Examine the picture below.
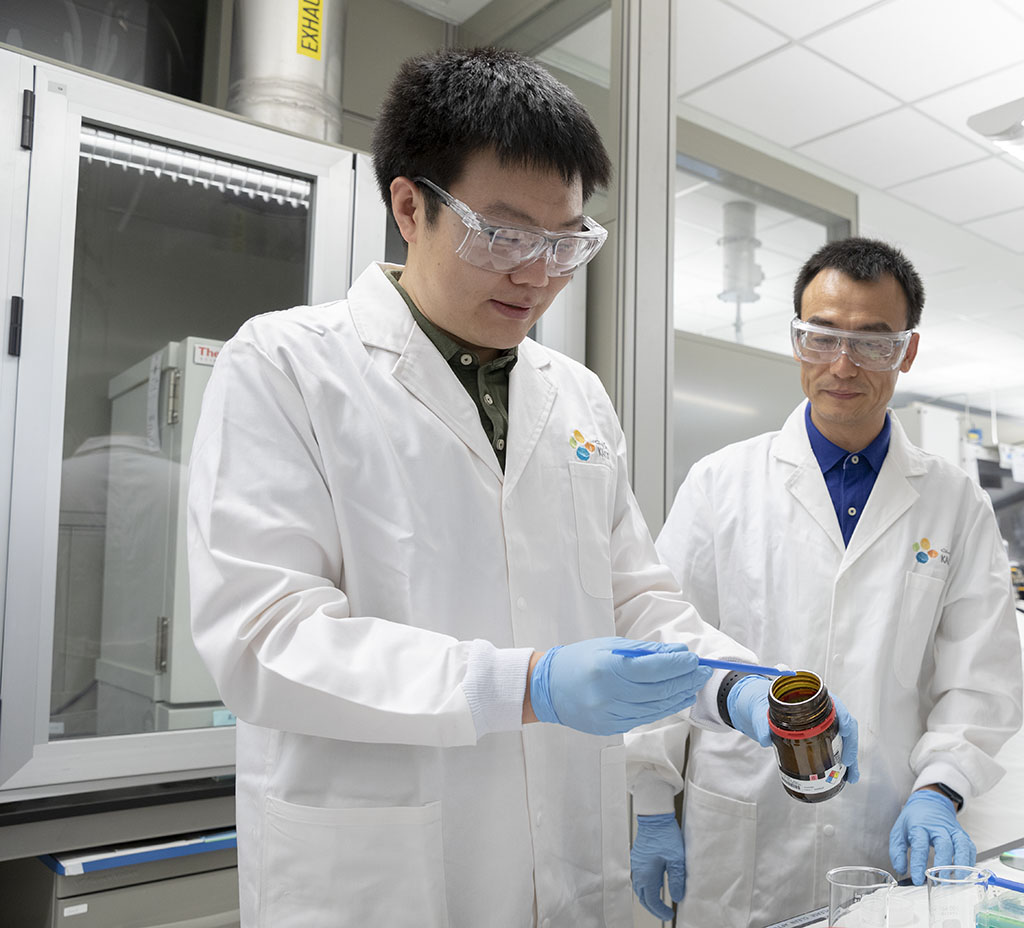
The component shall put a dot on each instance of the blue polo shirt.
(849, 475)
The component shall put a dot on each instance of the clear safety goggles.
(873, 351)
(504, 248)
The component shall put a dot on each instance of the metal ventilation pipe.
(286, 65)
(741, 273)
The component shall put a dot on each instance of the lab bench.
(818, 918)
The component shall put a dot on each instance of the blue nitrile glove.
(748, 708)
(747, 703)
(657, 848)
(929, 819)
(587, 687)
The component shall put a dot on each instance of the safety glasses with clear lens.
(873, 351)
(504, 248)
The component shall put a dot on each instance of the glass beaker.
(858, 897)
(955, 895)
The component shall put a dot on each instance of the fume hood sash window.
(192, 167)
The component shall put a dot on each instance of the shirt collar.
(829, 454)
(444, 343)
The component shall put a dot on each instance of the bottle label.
(816, 783)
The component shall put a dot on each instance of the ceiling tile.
(791, 96)
(893, 148)
(1006, 229)
(693, 240)
(699, 60)
(1006, 320)
(793, 235)
(978, 302)
(952, 107)
(798, 18)
(914, 48)
(971, 191)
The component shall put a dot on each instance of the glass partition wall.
(738, 247)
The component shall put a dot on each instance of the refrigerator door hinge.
(173, 396)
(28, 118)
(162, 629)
(14, 332)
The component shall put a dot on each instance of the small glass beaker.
(858, 897)
(955, 895)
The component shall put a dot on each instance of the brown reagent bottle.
(805, 733)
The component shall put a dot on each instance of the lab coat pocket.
(615, 837)
(721, 873)
(591, 502)
(361, 866)
(920, 605)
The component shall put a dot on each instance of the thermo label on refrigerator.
(204, 354)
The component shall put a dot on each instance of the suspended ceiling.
(873, 96)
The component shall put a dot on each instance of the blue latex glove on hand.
(657, 848)
(747, 703)
(586, 687)
(748, 708)
(929, 819)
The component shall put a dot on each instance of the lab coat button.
(538, 819)
(521, 603)
(546, 923)
(837, 660)
(829, 830)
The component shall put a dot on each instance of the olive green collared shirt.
(487, 384)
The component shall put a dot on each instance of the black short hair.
(446, 105)
(865, 259)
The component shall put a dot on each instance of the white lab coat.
(926, 656)
(356, 558)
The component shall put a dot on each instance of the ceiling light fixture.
(1003, 126)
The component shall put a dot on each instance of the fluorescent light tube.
(1003, 126)
(192, 167)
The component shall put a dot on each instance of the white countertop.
(908, 904)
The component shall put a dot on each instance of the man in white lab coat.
(412, 536)
(838, 546)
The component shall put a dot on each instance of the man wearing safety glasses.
(412, 537)
(838, 545)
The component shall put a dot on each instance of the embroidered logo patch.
(586, 449)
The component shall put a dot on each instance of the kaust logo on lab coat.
(923, 552)
(584, 448)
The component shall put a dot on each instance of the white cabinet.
(139, 232)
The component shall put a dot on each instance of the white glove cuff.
(495, 685)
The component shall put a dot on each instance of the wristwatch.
(950, 793)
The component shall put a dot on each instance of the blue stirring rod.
(1005, 884)
(711, 662)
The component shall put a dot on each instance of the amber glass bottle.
(805, 733)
